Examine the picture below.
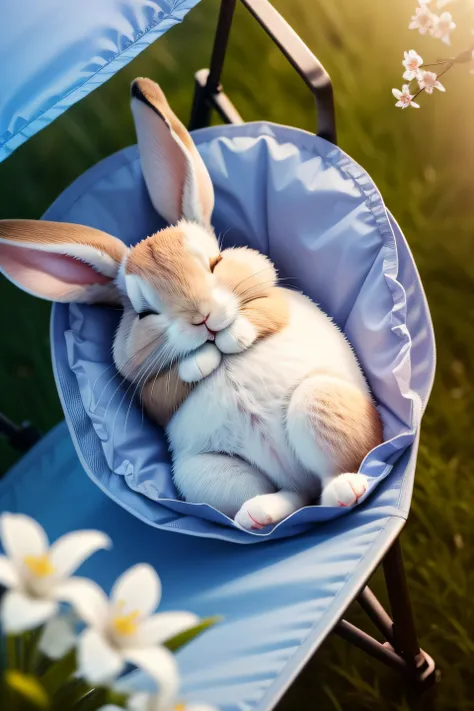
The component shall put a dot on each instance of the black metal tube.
(376, 612)
(21, 437)
(404, 630)
(302, 59)
(204, 93)
(368, 644)
(224, 24)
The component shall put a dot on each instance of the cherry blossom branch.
(438, 26)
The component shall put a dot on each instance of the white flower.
(423, 20)
(412, 64)
(123, 629)
(443, 25)
(152, 702)
(429, 81)
(36, 574)
(58, 637)
(404, 97)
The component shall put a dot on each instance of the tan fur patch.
(163, 394)
(252, 277)
(346, 423)
(43, 232)
(249, 274)
(269, 314)
(179, 278)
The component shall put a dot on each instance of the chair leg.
(401, 650)
(405, 640)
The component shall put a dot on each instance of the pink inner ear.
(49, 275)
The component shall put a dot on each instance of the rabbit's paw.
(255, 514)
(200, 364)
(344, 490)
(237, 337)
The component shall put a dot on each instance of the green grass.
(422, 162)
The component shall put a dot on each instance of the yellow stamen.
(39, 565)
(180, 707)
(126, 625)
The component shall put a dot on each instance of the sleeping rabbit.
(264, 402)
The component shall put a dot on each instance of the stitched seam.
(89, 78)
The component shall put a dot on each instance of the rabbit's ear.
(60, 261)
(177, 179)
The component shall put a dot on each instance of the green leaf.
(60, 672)
(183, 638)
(29, 687)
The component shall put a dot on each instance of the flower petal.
(158, 628)
(397, 93)
(199, 707)
(22, 536)
(8, 574)
(69, 551)
(161, 665)
(57, 638)
(97, 661)
(139, 588)
(111, 707)
(19, 613)
(87, 598)
(142, 702)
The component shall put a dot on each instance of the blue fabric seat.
(322, 220)
(279, 600)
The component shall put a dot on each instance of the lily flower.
(37, 575)
(123, 630)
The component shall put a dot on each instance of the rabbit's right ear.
(60, 261)
(177, 179)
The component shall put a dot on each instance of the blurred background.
(422, 161)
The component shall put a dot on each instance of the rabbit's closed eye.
(144, 314)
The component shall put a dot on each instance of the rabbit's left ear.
(177, 179)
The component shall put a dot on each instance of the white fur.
(199, 242)
(267, 509)
(237, 337)
(141, 294)
(241, 411)
(344, 490)
(199, 364)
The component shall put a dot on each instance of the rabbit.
(264, 402)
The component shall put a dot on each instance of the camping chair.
(280, 592)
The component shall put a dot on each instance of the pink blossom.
(429, 81)
(443, 25)
(423, 20)
(405, 99)
(412, 64)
